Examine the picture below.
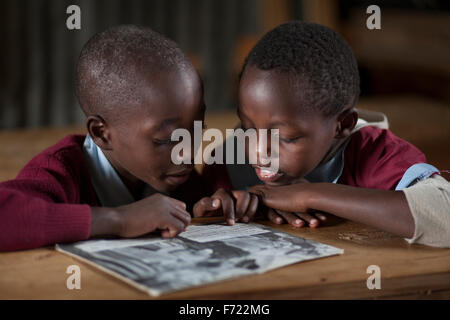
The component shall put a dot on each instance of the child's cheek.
(294, 160)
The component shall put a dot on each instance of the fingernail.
(216, 203)
(298, 221)
(245, 219)
(230, 222)
(278, 220)
(314, 221)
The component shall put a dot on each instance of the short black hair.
(115, 62)
(313, 53)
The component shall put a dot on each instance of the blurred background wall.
(410, 54)
(404, 67)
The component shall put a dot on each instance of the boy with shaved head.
(135, 87)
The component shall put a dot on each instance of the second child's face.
(142, 142)
(268, 100)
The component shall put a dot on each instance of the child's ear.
(99, 131)
(346, 123)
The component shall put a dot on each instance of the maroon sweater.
(50, 200)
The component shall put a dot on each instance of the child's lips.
(179, 177)
(266, 175)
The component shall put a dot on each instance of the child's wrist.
(105, 221)
(312, 195)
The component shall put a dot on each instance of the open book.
(202, 254)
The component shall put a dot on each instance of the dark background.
(410, 55)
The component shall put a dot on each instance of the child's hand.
(296, 219)
(235, 206)
(157, 212)
(288, 204)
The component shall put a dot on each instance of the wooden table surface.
(407, 271)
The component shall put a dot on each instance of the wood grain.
(407, 271)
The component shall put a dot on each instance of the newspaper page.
(202, 254)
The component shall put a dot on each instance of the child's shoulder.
(72, 143)
(373, 141)
(66, 153)
(377, 158)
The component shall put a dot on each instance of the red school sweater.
(51, 198)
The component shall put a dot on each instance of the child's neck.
(133, 184)
(136, 188)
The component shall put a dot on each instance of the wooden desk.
(407, 271)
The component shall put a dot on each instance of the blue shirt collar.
(331, 170)
(110, 189)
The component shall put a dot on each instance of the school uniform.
(51, 198)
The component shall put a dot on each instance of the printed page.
(201, 255)
(216, 232)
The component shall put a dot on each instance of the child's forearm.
(386, 210)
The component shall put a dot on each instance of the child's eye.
(163, 142)
(289, 140)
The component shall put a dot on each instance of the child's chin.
(163, 187)
(282, 181)
(175, 181)
(275, 183)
